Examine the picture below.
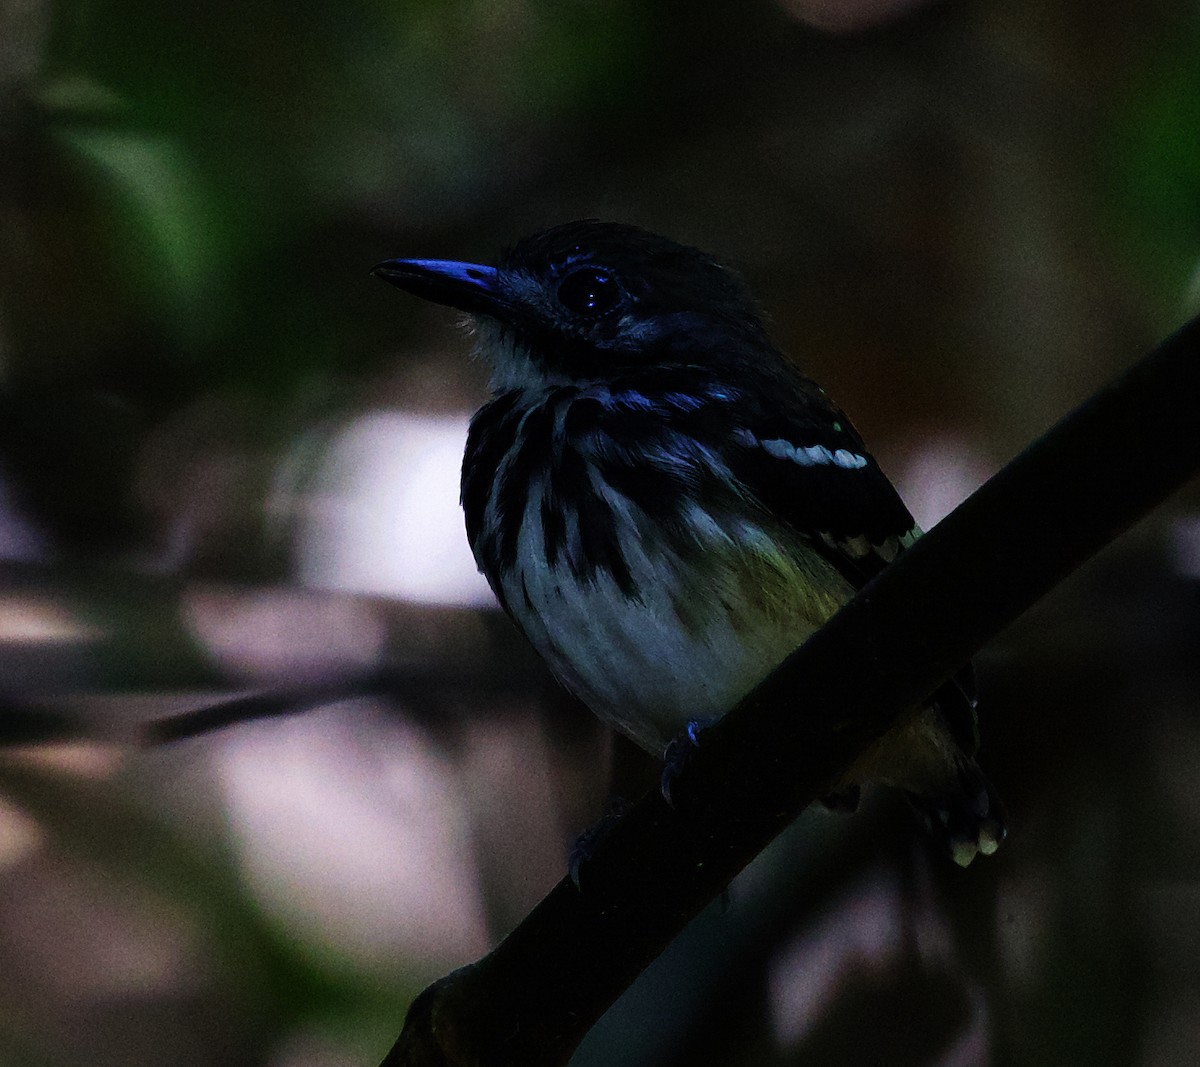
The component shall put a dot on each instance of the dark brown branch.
(531, 1000)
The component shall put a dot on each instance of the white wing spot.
(780, 449)
(807, 456)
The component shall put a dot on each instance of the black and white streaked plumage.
(667, 507)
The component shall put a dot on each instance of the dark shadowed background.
(228, 470)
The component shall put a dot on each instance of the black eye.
(589, 292)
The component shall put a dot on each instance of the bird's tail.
(966, 815)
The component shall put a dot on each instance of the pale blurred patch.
(22, 45)
(862, 930)
(1185, 546)
(89, 938)
(510, 790)
(849, 16)
(309, 1049)
(265, 633)
(383, 515)
(38, 620)
(20, 835)
(19, 540)
(348, 828)
(94, 760)
(939, 474)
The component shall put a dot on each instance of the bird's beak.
(467, 286)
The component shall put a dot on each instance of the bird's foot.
(679, 754)
(969, 821)
(586, 842)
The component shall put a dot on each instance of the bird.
(667, 506)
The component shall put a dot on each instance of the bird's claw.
(586, 842)
(679, 754)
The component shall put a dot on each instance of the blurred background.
(228, 492)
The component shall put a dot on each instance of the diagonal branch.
(532, 999)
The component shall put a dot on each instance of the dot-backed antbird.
(667, 507)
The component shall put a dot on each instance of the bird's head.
(589, 301)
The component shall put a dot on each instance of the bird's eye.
(589, 292)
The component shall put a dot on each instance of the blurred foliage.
(1159, 168)
(961, 219)
(219, 143)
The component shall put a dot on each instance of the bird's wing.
(804, 462)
